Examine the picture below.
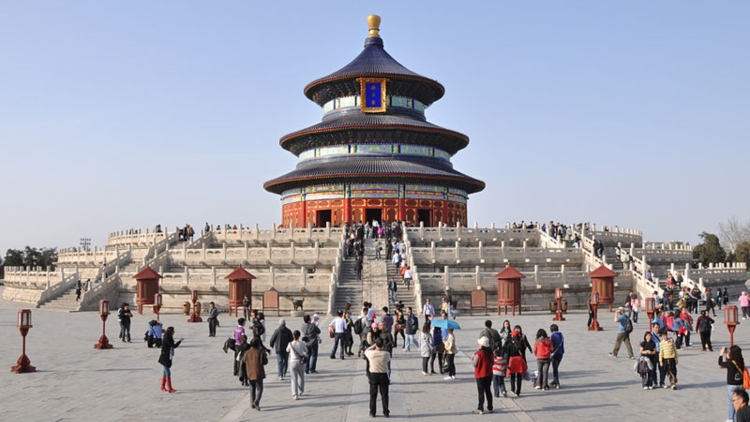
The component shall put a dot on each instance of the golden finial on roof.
(373, 21)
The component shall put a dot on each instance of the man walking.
(338, 325)
(279, 341)
(378, 359)
(623, 335)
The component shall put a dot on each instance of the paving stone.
(75, 382)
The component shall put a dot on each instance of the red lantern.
(558, 297)
(103, 313)
(730, 320)
(649, 305)
(157, 304)
(24, 323)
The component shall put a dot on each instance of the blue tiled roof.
(373, 61)
(446, 139)
(374, 167)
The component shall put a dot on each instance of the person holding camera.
(165, 359)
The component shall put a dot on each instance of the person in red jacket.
(482, 362)
(543, 353)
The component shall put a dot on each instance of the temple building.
(374, 155)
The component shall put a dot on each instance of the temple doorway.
(373, 214)
(323, 217)
(424, 217)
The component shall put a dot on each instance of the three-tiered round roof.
(374, 155)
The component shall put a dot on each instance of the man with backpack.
(491, 334)
(623, 333)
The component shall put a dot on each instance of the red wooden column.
(509, 289)
(147, 288)
(603, 282)
(348, 204)
(240, 285)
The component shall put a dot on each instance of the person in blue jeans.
(311, 332)
(558, 350)
(338, 325)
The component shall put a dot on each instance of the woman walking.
(450, 354)
(297, 351)
(438, 351)
(482, 362)
(505, 333)
(648, 352)
(398, 328)
(734, 363)
(255, 358)
(517, 366)
(165, 359)
(426, 346)
(543, 354)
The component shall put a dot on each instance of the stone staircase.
(65, 302)
(405, 296)
(349, 288)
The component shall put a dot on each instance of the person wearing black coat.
(165, 358)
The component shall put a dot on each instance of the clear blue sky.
(127, 114)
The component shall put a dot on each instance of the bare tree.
(734, 232)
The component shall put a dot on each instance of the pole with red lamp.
(594, 305)
(24, 323)
(103, 313)
(730, 320)
(650, 307)
(558, 297)
(194, 317)
(157, 305)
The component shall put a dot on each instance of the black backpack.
(705, 325)
(628, 325)
(358, 326)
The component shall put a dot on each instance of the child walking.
(499, 366)
(668, 359)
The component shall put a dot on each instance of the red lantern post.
(103, 313)
(24, 323)
(194, 317)
(558, 297)
(595, 304)
(650, 307)
(730, 320)
(157, 304)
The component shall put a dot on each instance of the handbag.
(745, 376)
(331, 332)
(302, 359)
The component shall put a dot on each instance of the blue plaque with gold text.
(372, 91)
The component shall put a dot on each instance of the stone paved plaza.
(75, 382)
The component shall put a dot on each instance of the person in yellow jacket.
(668, 359)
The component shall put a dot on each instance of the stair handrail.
(90, 299)
(336, 272)
(549, 240)
(55, 290)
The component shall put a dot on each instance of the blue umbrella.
(445, 323)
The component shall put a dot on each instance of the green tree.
(710, 250)
(742, 252)
(31, 257)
